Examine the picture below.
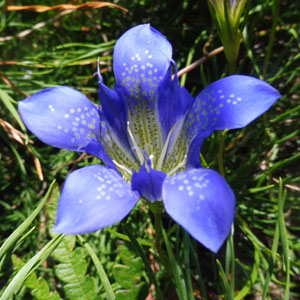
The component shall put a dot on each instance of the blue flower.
(148, 132)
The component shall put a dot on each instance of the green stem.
(158, 231)
(276, 4)
(221, 153)
(143, 256)
(230, 262)
(232, 52)
(158, 240)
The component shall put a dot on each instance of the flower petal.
(202, 202)
(96, 149)
(229, 103)
(93, 198)
(173, 103)
(141, 59)
(61, 117)
(148, 183)
(193, 156)
(114, 115)
(114, 112)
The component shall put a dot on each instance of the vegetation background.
(60, 47)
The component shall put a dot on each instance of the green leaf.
(23, 227)
(138, 293)
(62, 251)
(224, 281)
(284, 238)
(129, 258)
(74, 268)
(54, 296)
(83, 289)
(126, 238)
(29, 267)
(41, 291)
(252, 280)
(39, 286)
(104, 279)
(129, 275)
(7, 101)
(125, 276)
(144, 258)
(176, 270)
(72, 271)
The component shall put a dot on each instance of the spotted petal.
(61, 117)
(93, 198)
(202, 202)
(229, 103)
(142, 57)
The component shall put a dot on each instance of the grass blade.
(7, 101)
(30, 266)
(21, 229)
(104, 279)
(271, 261)
(177, 272)
(284, 239)
(226, 286)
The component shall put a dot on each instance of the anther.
(129, 172)
(100, 78)
(165, 148)
(135, 146)
(151, 158)
(180, 165)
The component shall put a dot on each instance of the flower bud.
(227, 15)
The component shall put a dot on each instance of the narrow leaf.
(29, 267)
(23, 227)
(104, 279)
(7, 101)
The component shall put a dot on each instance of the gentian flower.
(148, 132)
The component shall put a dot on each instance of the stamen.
(135, 146)
(180, 165)
(164, 149)
(129, 172)
(151, 158)
(100, 78)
